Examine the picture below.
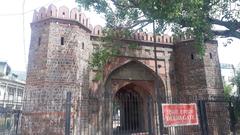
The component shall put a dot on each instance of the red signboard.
(179, 114)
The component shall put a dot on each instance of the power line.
(24, 46)
(23, 26)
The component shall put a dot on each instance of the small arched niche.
(74, 15)
(63, 12)
(42, 13)
(52, 11)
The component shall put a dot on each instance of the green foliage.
(133, 46)
(100, 57)
(196, 17)
(227, 91)
(236, 105)
(236, 81)
(235, 99)
(109, 49)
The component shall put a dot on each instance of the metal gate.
(135, 116)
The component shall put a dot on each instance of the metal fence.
(126, 114)
(9, 121)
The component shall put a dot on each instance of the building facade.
(11, 100)
(11, 94)
(11, 89)
(62, 42)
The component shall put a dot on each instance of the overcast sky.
(13, 33)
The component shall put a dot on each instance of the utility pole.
(157, 86)
(68, 113)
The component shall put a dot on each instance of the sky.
(15, 32)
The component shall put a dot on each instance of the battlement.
(73, 14)
(62, 13)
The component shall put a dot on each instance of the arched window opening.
(75, 16)
(62, 40)
(82, 45)
(39, 41)
(192, 56)
(210, 55)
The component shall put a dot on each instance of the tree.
(236, 99)
(197, 17)
(236, 81)
(227, 90)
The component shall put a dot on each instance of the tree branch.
(226, 33)
(231, 25)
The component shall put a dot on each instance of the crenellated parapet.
(62, 12)
(65, 13)
(148, 37)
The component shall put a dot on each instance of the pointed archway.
(126, 91)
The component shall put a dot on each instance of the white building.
(11, 89)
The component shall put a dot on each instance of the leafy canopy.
(227, 90)
(194, 16)
(236, 81)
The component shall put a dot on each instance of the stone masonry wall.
(61, 46)
(198, 77)
(58, 69)
(190, 71)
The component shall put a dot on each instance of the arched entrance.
(129, 111)
(130, 105)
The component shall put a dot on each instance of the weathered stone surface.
(54, 69)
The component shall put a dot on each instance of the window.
(82, 45)
(98, 32)
(51, 13)
(11, 91)
(192, 56)
(210, 55)
(75, 16)
(39, 41)
(20, 92)
(63, 13)
(62, 40)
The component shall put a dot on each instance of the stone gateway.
(62, 42)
